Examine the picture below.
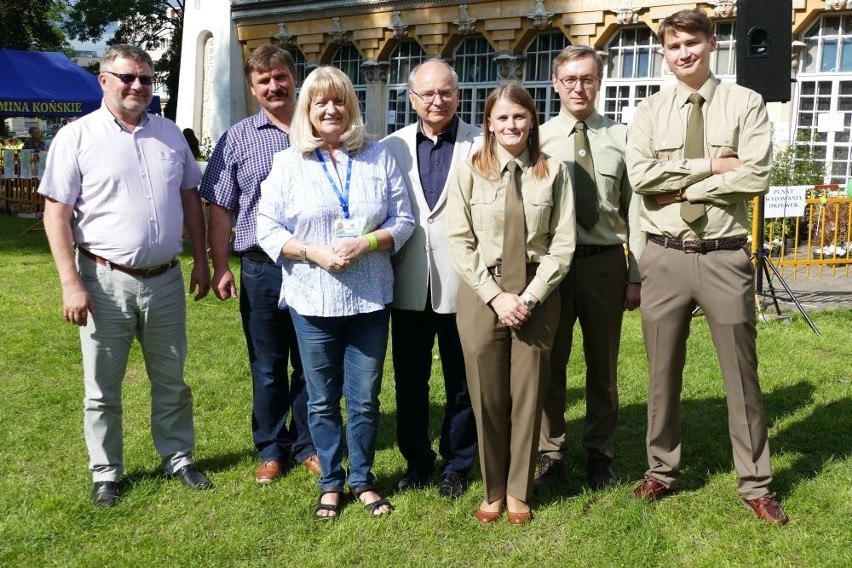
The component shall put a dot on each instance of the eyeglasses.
(429, 96)
(571, 82)
(129, 79)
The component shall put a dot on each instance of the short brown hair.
(125, 51)
(692, 21)
(574, 52)
(268, 57)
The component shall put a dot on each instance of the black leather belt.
(700, 246)
(140, 272)
(497, 270)
(582, 251)
(257, 255)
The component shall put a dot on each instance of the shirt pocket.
(538, 207)
(669, 146)
(610, 172)
(723, 143)
(484, 208)
(171, 166)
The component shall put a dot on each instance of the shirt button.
(430, 220)
(426, 247)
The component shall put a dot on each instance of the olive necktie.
(514, 268)
(585, 189)
(693, 147)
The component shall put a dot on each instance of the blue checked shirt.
(240, 162)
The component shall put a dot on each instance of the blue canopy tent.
(34, 83)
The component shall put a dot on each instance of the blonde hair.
(326, 81)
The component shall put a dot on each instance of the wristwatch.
(303, 250)
(529, 301)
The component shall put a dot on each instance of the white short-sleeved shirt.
(124, 186)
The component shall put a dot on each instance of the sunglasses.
(129, 79)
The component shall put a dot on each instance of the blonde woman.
(332, 211)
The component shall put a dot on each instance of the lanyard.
(342, 197)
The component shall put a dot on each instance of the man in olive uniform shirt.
(600, 284)
(698, 152)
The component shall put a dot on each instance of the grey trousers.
(153, 310)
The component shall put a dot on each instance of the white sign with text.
(785, 201)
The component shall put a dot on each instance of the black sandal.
(375, 505)
(320, 506)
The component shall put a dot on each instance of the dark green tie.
(585, 189)
(693, 147)
(514, 267)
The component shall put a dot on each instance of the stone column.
(376, 76)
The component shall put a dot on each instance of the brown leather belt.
(497, 270)
(700, 246)
(140, 272)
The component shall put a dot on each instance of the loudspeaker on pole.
(764, 37)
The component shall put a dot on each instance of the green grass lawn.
(47, 519)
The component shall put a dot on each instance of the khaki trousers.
(722, 283)
(507, 375)
(593, 293)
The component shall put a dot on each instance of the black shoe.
(600, 475)
(414, 479)
(452, 485)
(549, 472)
(105, 493)
(192, 477)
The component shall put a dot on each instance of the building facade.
(377, 42)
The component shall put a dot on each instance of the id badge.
(346, 228)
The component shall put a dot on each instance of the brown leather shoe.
(313, 464)
(519, 518)
(487, 516)
(650, 489)
(767, 509)
(268, 472)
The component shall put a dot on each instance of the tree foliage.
(151, 24)
(32, 25)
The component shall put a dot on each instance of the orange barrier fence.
(819, 242)
(21, 196)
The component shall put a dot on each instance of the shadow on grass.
(13, 237)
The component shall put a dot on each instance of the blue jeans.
(344, 356)
(271, 339)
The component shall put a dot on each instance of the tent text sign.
(41, 107)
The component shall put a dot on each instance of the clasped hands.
(339, 257)
(511, 310)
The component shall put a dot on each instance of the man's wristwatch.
(303, 251)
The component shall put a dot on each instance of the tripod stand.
(764, 265)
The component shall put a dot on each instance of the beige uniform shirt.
(619, 211)
(475, 213)
(735, 124)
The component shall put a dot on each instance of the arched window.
(348, 60)
(477, 71)
(405, 57)
(825, 89)
(300, 63)
(539, 69)
(633, 71)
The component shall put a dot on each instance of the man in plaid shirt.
(240, 162)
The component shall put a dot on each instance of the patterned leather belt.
(582, 251)
(140, 272)
(257, 255)
(497, 270)
(700, 246)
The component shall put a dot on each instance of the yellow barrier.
(814, 244)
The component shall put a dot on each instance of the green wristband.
(374, 242)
